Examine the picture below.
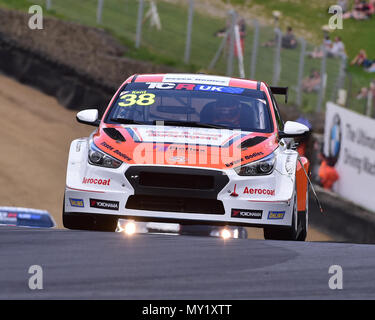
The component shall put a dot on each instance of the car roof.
(199, 79)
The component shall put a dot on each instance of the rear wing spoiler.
(280, 91)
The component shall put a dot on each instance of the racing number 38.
(131, 99)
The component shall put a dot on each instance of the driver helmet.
(227, 109)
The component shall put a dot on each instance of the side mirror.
(89, 116)
(293, 129)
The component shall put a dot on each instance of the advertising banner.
(349, 139)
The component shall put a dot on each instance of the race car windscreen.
(192, 105)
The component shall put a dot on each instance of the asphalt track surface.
(98, 265)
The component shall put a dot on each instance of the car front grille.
(176, 180)
(171, 204)
(176, 189)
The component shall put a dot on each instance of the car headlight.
(261, 167)
(99, 158)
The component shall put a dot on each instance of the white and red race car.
(189, 149)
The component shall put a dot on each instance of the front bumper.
(223, 197)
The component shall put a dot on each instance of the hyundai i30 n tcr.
(189, 149)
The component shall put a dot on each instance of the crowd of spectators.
(362, 60)
(366, 91)
(334, 49)
(288, 40)
(368, 94)
(312, 82)
(361, 10)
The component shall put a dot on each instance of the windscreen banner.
(349, 139)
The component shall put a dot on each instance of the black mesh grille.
(176, 182)
(183, 181)
(170, 204)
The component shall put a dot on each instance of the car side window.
(279, 121)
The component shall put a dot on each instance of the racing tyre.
(89, 222)
(303, 218)
(285, 233)
(242, 233)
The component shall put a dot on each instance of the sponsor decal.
(122, 155)
(276, 215)
(161, 148)
(185, 148)
(131, 99)
(189, 87)
(247, 157)
(29, 216)
(172, 135)
(335, 139)
(194, 135)
(107, 146)
(269, 192)
(201, 79)
(177, 159)
(119, 153)
(8, 217)
(358, 140)
(76, 202)
(233, 90)
(160, 85)
(104, 204)
(350, 140)
(253, 155)
(249, 214)
(234, 193)
(185, 86)
(358, 147)
(137, 92)
(191, 137)
(104, 182)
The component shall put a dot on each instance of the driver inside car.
(227, 111)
